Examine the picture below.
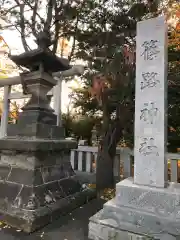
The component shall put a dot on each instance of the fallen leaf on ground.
(108, 194)
(93, 186)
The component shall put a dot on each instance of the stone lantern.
(37, 182)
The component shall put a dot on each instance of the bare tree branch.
(57, 11)
(57, 27)
(6, 11)
(22, 25)
(8, 26)
(32, 8)
(75, 33)
(48, 21)
(34, 18)
(74, 38)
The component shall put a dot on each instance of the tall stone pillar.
(146, 207)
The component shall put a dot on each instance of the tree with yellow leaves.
(174, 38)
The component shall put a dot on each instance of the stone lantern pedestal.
(37, 182)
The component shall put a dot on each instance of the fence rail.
(84, 161)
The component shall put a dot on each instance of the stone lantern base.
(37, 182)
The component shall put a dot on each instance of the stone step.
(121, 221)
(163, 202)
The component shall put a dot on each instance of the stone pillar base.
(139, 212)
(103, 232)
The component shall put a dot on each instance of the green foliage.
(67, 121)
(101, 44)
(80, 128)
(82, 100)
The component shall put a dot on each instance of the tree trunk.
(105, 159)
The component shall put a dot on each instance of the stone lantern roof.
(34, 58)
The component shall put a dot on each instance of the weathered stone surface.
(143, 210)
(163, 201)
(68, 169)
(33, 144)
(65, 205)
(73, 229)
(32, 198)
(4, 171)
(102, 232)
(150, 103)
(27, 199)
(38, 159)
(52, 173)
(35, 130)
(49, 193)
(49, 158)
(54, 189)
(35, 116)
(38, 186)
(8, 193)
(130, 221)
(16, 159)
(35, 213)
(70, 186)
(26, 177)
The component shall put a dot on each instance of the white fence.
(84, 160)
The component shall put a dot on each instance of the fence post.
(73, 158)
(95, 159)
(5, 112)
(174, 171)
(88, 162)
(80, 160)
